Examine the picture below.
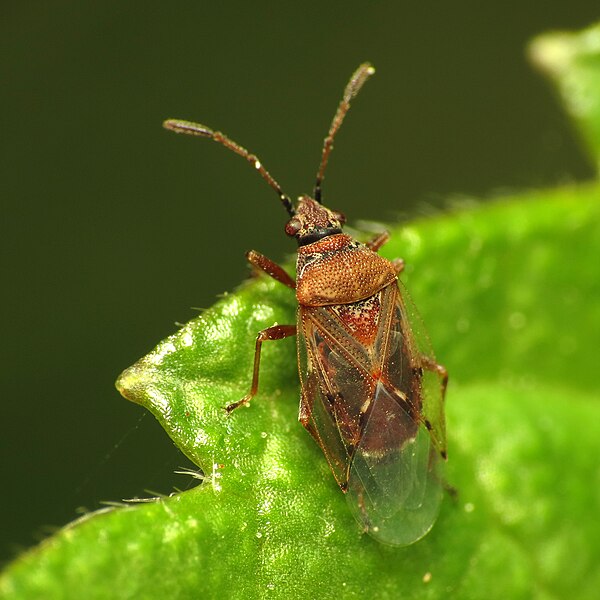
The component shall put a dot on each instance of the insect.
(372, 393)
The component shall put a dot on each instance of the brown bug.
(372, 392)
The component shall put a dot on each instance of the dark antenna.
(356, 82)
(197, 129)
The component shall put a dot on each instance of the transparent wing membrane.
(432, 399)
(395, 493)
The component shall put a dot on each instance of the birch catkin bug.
(372, 392)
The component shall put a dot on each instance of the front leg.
(277, 332)
(271, 268)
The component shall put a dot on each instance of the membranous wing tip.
(395, 493)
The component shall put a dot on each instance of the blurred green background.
(113, 228)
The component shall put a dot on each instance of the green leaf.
(572, 61)
(509, 292)
(506, 291)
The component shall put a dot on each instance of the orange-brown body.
(372, 394)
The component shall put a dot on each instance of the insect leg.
(271, 268)
(277, 332)
(440, 370)
(398, 265)
(379, 240)
(434, 367)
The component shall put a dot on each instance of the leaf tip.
(551, 53)
(130, 385)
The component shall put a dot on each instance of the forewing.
(317, 412)
(394, 489)
(363, 403)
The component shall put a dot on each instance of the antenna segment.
(197, 129)
(356, 82)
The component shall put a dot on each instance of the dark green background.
(113, 228)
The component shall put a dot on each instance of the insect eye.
(293, 226)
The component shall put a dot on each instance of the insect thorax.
(340, 270)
